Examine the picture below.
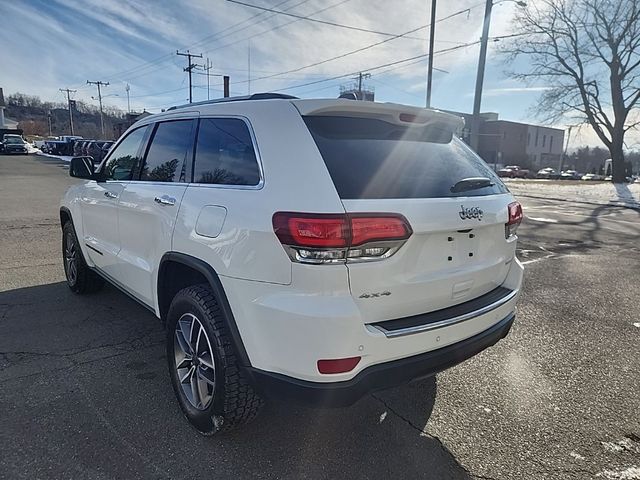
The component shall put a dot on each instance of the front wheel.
(205, 374)
(80, 278)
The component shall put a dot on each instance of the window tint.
(370, 158)
(225, 154)
(124, 159)
(165, 160)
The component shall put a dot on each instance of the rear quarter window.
(372, 159)
(225, 154)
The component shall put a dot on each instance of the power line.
(361, 49)
(424, 55)
(277, 27)
(144, 66)
(391, 64)
(309, 19)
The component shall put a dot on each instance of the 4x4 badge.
(471, 212)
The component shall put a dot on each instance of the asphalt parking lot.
(84, 389)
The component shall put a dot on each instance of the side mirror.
(82, 167)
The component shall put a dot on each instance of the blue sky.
(52, 44)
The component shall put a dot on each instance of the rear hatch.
(386, 158)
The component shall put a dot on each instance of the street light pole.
(432, 35)
(477, 99)
(127, 88)
(484, 40)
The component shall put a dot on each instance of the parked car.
(84, 147)
(548, 173)
(106, 146)
(570, 175)
(592, 177)
(14, 144)
(93, 150)
(394, 263)
(7, 136)
(513, 171)
(77, 148)
(56, 147)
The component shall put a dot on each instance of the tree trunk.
(617, 160)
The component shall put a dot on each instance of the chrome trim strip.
(449, 321)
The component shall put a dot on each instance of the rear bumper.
(377, 377)
(286, 330)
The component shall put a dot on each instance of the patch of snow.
(382, 417)
(576, 455)
(545, 220)
(64, 158)
(624, 445)
(605, 193)
(631, 473)
(636, 324)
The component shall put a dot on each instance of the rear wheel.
(80, 278)
(205, 374)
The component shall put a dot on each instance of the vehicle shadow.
(100, 358)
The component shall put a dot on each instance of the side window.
(124, 159)
(165, 159)
(225, 154)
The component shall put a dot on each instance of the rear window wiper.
(472, 183)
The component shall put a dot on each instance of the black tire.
(80, 278)
(230, 399)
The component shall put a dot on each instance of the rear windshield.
(369, 158)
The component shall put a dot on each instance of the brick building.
(503, 142)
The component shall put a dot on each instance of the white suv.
(309, 249)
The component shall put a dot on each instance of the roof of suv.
(390, 112)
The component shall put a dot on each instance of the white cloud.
(135, 41)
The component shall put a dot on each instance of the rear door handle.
(165, 200)
(109, 194)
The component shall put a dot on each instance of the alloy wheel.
(194, 363)
(71, 259)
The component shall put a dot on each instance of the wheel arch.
(179, 270)
(65, 216)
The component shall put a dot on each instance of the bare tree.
(588, 53)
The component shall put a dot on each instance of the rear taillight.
(340, 238)
(515, 217)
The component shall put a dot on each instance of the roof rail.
(255, 96)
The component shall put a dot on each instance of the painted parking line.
(545, 220)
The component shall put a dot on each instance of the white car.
(591, 177)
(309, 249)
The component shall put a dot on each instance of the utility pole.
(100, 84)
(127, 88)
(249, 68)
(432, 37)
(206, 68)
(189, 68)
(68, 92)
(477, 99)
(359, 78)
(49, 121)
